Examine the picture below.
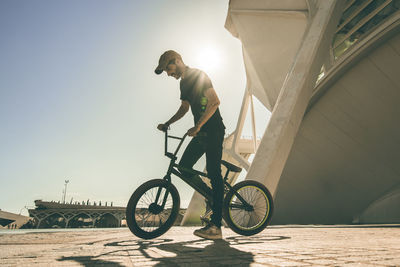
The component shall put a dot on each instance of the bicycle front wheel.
(152, 209)
(253, 215)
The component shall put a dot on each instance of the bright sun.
(209, 59)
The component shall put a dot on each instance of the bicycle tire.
(248, 222)
(140, 204)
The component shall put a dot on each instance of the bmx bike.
(154, 206)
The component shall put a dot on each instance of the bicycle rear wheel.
(146, 217)
(251, 219)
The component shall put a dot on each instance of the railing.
(359, 18)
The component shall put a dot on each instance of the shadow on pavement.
(90, 261)
(198, 252)
(166, 252)
(241, 240)
(214, 253)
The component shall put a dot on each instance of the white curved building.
(329, 71)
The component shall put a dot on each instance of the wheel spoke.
(145, 219)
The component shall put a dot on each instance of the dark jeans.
(211, 144)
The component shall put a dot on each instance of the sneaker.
(209, 232)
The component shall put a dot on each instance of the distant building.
(10, 220)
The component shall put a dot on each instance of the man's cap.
(165, 59)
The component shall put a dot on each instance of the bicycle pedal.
(205, 220)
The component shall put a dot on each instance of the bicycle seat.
(230, 166)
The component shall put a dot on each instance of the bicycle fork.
(158, 208)
(166, 178)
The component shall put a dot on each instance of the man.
(208, 132)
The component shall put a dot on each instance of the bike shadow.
(90, 261)
(203, 253)
(167, 252)
(200, 252)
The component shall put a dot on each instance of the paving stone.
(326, 262)
(300, 257)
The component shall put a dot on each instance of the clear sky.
(79, 99)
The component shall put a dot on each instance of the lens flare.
(209, 59)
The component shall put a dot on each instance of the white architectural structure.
(331, 151)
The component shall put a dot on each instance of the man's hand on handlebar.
(193, 131)
(163, 127)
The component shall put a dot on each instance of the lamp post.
(65, 190)
(20, 211)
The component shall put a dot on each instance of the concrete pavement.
(275, 246)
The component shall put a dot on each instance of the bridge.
(50, 214)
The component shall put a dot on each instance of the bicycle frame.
(202, 188)
(175, 168)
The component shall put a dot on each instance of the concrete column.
(294, 96)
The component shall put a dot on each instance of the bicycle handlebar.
(173, 137)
